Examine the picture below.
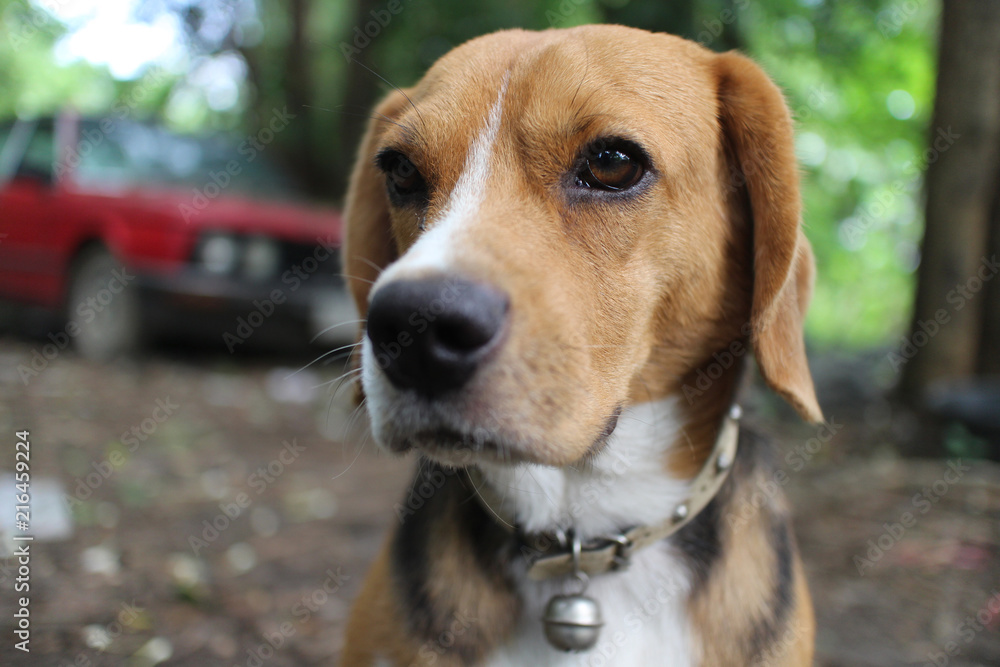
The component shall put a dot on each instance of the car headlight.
(260, 258)
(219, 253)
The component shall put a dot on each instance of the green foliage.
(424, 31)
(863, 170)
(839, 64)
(34, 82)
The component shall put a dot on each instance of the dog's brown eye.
(612, 169)
(403, 179)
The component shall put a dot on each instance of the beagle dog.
(564, 243)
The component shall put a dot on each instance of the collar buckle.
(624, 547)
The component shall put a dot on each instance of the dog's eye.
(402, 178)
(611, 169)
(611, 164)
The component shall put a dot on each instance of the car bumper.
(237, 312)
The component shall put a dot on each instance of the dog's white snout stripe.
(437, 248)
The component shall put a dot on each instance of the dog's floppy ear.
(368, 243)
(758, 129)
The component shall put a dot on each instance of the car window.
(39, 153)
(26, 150)
(118, 154)
(100, 160)
(8, 159)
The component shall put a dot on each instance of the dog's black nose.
(431, 334)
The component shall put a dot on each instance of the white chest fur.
(644, 607)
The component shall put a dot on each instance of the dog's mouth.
(457, 448)
(609, 428)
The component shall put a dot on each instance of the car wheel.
(105, 310)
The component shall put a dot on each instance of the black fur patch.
(440, 495)
(770, 628)
(411, 551)
(700, 540)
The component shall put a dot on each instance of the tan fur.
(610, 305)
(375, 626)
(748, 572)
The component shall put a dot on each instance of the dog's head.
(550, 226)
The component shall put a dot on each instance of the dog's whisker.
(348, 377)
(339, 357)
(357, 115)
(633, 418)
(322, 356)
(394, 86)
(334, 326)
(351, 465)
(338, 380)
(364, 280)
(378, 269)
(386, 81)
(359, 410)
(347, 427)
(490, 507)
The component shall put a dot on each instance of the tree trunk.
(954, 333)
(299, 88)
(712, 23)
(361, 91)
(989, 342)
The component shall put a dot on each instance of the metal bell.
(572, 622)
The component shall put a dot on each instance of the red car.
(132, 232)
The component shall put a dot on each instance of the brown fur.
(749, 570)
(610, 304)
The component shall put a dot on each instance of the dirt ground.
(223, 513)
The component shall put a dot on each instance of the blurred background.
(203, 491)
